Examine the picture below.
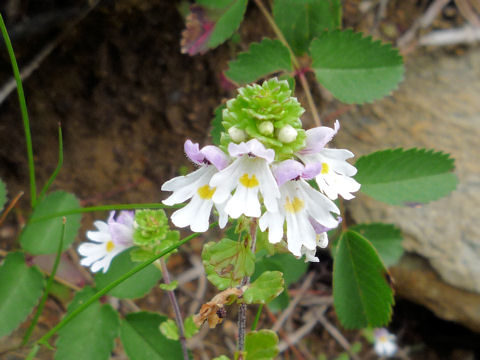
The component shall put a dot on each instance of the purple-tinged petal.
(111, 217)
(252, 147)
(311, 170)
(215, 156)
(319, 228)
(287, 170)
(126, 217)
(121, 234)
(193, 152)
(318, 137)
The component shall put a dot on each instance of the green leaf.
(136, 286)
(169, 287)
(3, 195)
(20, 288)
(281, 301)
(261, 345)
(169, 329)
(302, 20)
(226, 262)
(91, 335)
(228, 23)
(217, 126)
(406, 177)
(214, 4)
(355, 69)
(263, 290)
(222, 357)
(261, 59)
(42, 237)
(190, 327)
(362, 296)
(142, 339)
(385, 238)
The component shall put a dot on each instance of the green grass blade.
(59, 164)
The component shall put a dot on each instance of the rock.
(416, 280)
(436, 107)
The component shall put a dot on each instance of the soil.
(127, 99)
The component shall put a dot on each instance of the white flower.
(246, 176)
(300, 204)
(195, 186)
(321, 240)
(112, 237)
(384, 343)
(336, 174)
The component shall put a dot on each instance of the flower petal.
(192, 150)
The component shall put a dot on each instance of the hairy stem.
(23, 109)
(242, 311)
(178, 315)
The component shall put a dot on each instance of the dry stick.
(332, 330)
(297, 335)
(467, 12)
(296, 65)
(425, 20)
(293, 304)
(178, 315)
(10, 207)
(464, 35)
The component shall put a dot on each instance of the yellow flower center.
(110, 246)
(294, 206)
(206, 192)
(249, 182)
(325, 168)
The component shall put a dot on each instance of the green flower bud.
(267, 113)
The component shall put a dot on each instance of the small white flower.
(300, 204)
(385, 344)
(287, 134)
(112, 237)
(195, 186)
(248, 175)
(336, 174)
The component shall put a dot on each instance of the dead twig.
(464, 35)
(292, 339)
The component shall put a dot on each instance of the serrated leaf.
(385, 238)
(228, 23)
(169, 329)
(169, 287)
(355, 69)
(261, 59)
(263, 290)
(3, 195)
(43, 236)
(20, 288)
(261, 345)
(142, 339)
(190, 327)
(362, 296)
(217, 126)
(226, 262)
(135, 286)
(302, 20)
(406, 177)
(91, 334)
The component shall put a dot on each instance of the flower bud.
(236, 134)
(266, 128)
(287, 134)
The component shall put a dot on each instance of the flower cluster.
(262, 170)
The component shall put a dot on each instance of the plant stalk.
(178, 315)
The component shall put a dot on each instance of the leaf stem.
(176, 308)
(23, 109)
(105, 207)
(296, 64)
(44, 339)
(59, 164)
(257, 317)
(47, 288)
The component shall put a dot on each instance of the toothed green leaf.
(355, 69)
(228, 23)
(261, 345)
(263, 290)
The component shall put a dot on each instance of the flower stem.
(59, 165)
(44, 339)
(178, 315)
(296, 64)
(24, 111)
(242, 311)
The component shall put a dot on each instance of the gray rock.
(438, 107)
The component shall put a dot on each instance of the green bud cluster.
(267, 113)
(152, 234)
